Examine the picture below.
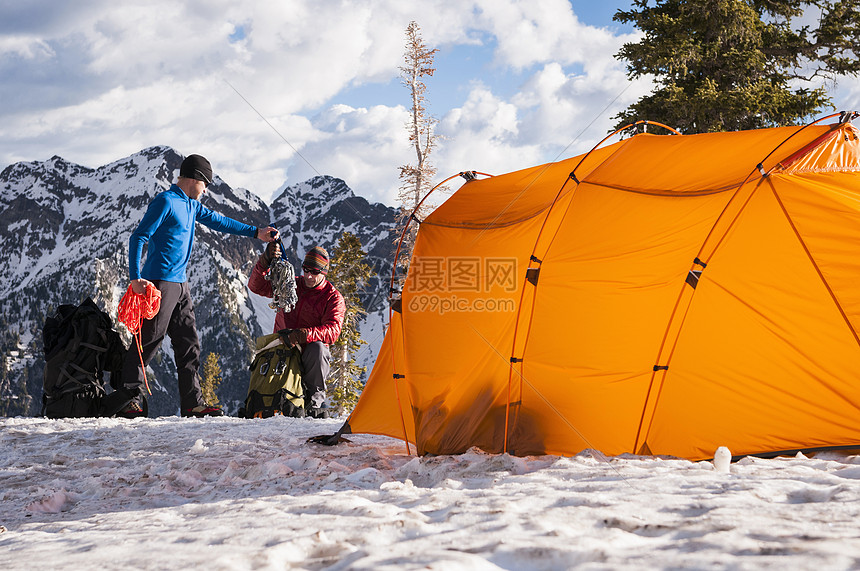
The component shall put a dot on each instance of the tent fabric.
(661, 295)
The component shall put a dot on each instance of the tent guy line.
(560, 153)
(284, 139)
(347, 202)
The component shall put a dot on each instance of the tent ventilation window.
(532, 274)
(694, 275)
(397, 305)
(846, 116)
(661, 368)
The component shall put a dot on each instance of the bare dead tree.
(416, 178)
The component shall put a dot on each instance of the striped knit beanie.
(316, 258)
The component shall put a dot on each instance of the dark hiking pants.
(316, 364)
(175, 319)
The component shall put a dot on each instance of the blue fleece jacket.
(168, 227)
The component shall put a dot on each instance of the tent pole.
(514, 359)
(469, 175)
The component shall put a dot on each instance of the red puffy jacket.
(319, 311)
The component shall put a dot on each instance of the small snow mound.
(198, 447)
(366, 476)
(852, 473)
(815, 494)
(55, 503)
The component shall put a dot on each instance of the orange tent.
(660, 295)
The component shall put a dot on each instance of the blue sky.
(518, 83)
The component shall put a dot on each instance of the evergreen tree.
(211, 378)
(348, 273)
(726, 65)
(14, 397)
(7, 394)
(416, 179)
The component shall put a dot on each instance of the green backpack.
(276, 380)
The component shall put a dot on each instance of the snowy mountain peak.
(65, 230)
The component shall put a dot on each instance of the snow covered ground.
(226, 493)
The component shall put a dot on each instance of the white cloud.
(562, 108)
(94, 81)
(157, 72)
(482, 135)
(533, 33)
(364, 147)
(846, 95)
(25, 47)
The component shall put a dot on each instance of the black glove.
(293, 337)
(273, 250)
(284, 334)
(298, 337)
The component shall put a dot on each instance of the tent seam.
(815, 265)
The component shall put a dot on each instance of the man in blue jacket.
(167, 228)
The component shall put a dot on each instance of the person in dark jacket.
(313, 324)
(167, 229)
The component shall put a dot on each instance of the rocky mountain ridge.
(64, 232)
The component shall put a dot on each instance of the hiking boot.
(318, 412)
(203, 410)
(132, 410)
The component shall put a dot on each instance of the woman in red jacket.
(313, 324)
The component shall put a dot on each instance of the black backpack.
(275, 387)
(80, 345)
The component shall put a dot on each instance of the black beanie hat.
(196, 167)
